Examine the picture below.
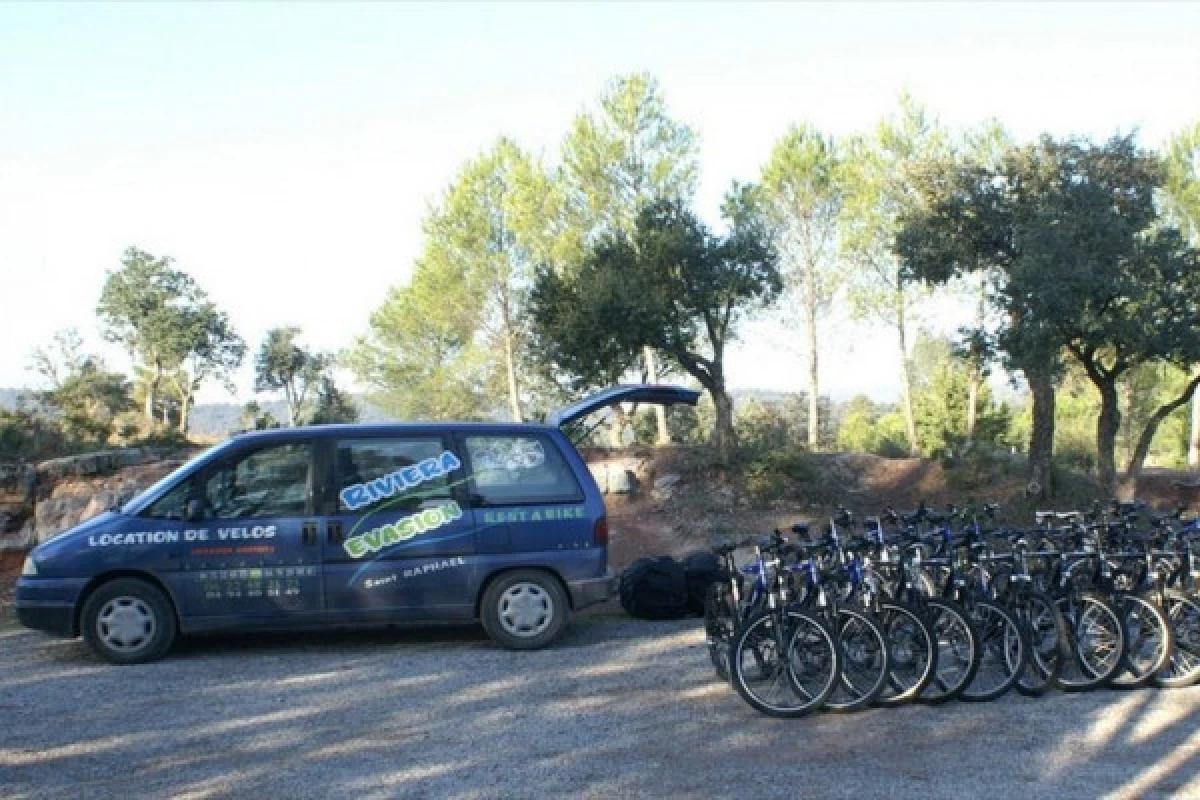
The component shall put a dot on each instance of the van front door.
(255, 550)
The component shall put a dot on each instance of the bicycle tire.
(1148, 641)
(757, 639)
(1045, 631)
(1002, 648)
(1183, 611)
(958, 651)
(1095, 645)
(863, 653)
(912, 653)
(720, 627)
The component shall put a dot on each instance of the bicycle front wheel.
(788, 680)
(1095, 646)
(1148, 641)
(958, 651)
(1002, 652)
(912, 653)
(1183, 611)
(863, 650)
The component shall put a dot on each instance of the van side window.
(271, 482)
(517, 470)
(172, 504)
(394, 473)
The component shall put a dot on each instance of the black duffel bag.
(702, 570)
(655, 588)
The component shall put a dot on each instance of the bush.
(774, 474)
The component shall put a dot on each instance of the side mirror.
(195, 510)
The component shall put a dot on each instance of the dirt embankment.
(666, 501)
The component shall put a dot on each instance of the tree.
(879, 192)
(332, 405)
(618, 159)
(802, 196)
(141, 307)
(674, 286)
(85, 394)
(204, 346)
(1083, 265)
(1182, 200)
(422, 358)
(284, 365)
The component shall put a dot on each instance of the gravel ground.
(619, 708)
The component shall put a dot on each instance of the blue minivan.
(346, 526)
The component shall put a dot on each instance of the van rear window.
(519, 470)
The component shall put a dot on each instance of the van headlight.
(30, 567)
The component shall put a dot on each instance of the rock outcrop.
(42, 500)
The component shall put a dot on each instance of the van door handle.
(334, 532)
(309, 532)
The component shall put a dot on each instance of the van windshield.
(144, 497)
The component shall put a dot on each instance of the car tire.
(128, 621)
(524, 609)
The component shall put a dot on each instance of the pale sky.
(284, 155)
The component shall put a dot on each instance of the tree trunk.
(616, 429)
(976, 378)
(1041, 437)
(724, 436)
(906, 399)
(514, 398)
(1107, 426)
(152, 393)
(660, 412)
(185, 407)
(1194, 434)
(1137, 460)
(290, 400)
(810, 319)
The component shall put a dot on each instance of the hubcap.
(126, 624)
(526, 610)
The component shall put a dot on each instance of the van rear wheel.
(524, 609)
(128, 621)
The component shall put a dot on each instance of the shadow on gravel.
(621, 708)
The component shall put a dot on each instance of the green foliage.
(169, 326)
(457, 335)
(332, 404)
(673, 286)
(868, 428)
(941, 394)
(773, 474)
(1182, 189)
(284, 365)
(1079, 261)
(84, 398)
(623, 156)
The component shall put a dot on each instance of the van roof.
(383, 429)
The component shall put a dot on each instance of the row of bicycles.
(931, 606)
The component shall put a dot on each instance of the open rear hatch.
(629, 393)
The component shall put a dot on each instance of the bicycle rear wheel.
(720, 627)
(863, 650)
(958, 651)
(1095, 646)
(1002, 652)
(912, 653)
(788, 681)
(1183, 611)
(1046, 631)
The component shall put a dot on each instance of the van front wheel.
(524, 609)
(128, 621)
